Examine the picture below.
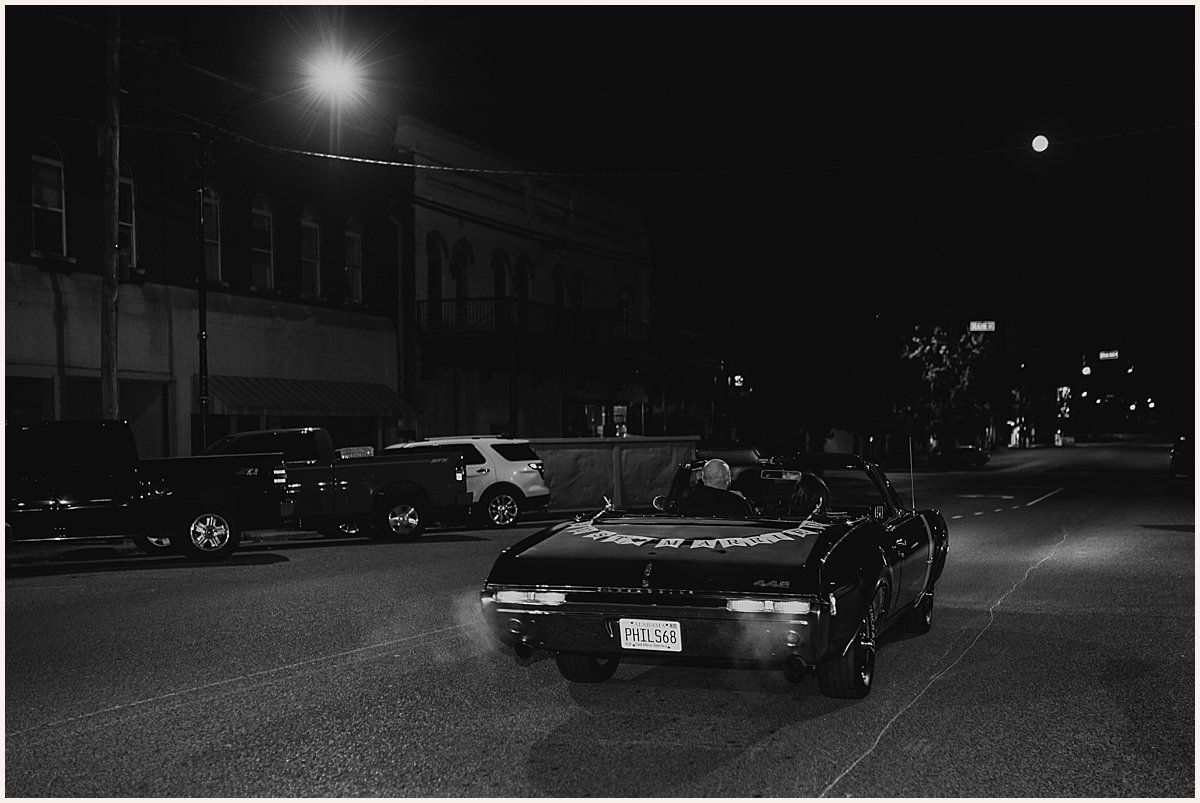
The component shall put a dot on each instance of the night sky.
(823, 165)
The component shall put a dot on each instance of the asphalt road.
(1061, 663)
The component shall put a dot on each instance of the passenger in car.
(810, 496)
(713, 497)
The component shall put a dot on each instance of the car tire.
(399, 519)
(849, 676)
(919, 618)
(586, 668)
(501, 507)
(154, 544)
(208, 532)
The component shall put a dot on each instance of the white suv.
(505, 476)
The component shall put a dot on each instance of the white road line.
(959, 516)
(940, 675)
(227, 681)
(1041, 498)
(977, 513)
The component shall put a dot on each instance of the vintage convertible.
(809, 592)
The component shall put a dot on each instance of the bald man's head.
(717, 475)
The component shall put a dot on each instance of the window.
(212, 235)
(310, 254)
(126, 233)
(262, 244)
(49, 201)
(354, 261)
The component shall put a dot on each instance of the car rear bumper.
(704, 635)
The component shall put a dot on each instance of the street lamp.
(337, 77)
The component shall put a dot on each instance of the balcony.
(556, 327)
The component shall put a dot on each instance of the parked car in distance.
(387, 495)
(505, 476)
(804, 591)
(73, 480)
(958, 457)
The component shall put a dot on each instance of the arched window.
(262, 244)
(462, 262)
(522, 276)
(310, 253)
(212, 235)
(559, 280)
(354, 249)
(435, 270)
(625, 303)
(578, 291)
(49, 200)
(126, 221)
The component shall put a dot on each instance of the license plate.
(650, 634)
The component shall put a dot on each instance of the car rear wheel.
(586, 668)
(501, 508)
(402, 519)
(209, 532)
(849, 676)
(920, 617)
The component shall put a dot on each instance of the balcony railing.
(471, 317)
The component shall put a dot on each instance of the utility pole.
(111, 148)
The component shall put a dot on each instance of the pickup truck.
(75, 480)
(392, 495)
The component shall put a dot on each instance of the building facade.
(297, 256)
(533, 314)
(265, 282)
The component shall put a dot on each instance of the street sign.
(1110, 355)
(983, 326)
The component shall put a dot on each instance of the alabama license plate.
(651, 634)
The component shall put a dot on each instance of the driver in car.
(713, 497)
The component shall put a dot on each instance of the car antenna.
(912, 483)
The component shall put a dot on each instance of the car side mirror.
(659, 502)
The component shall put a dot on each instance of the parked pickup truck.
(68, 480)
(390, 495)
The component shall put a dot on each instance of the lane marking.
(227, 681)
(984, 496)
(1043, 498)
(940, 675)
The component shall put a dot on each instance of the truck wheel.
(586, 668)
(208, 532)
(154, 544)
(849, 675)
(402, 519)
(501, 507)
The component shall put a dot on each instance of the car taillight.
(768, 606)
(538, 468)
(460, 473)
(279, 475)
(531, 597)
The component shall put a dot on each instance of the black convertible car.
(808, 592)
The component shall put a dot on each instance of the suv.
(504, 476)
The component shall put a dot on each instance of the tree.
(950, 383)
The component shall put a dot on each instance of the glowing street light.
(338, 78)
(1040, 143)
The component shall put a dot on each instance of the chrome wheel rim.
(403, 519)
(866, 640)
(158, 541)
(502, 510)
(209, 532)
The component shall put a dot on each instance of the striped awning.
(249, 395)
